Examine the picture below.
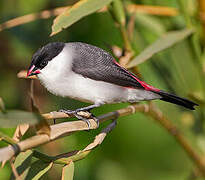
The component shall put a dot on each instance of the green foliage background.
(138, 148)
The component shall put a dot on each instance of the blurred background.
(138, 148)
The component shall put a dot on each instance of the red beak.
(32, 71)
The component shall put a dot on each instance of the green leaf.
(151, 23)
(28, 170)
(38, 169)
(76, 12)
(68, 171)
(15, 117)
(162, 43)
(22, 164)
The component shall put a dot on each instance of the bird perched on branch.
(90, 74)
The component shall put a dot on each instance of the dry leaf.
(20, 131)
(100, 137)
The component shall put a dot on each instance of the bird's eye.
(44, 63)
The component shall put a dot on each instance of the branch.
(58, 131)
(77, 155)
(153, 10)
(67, 128)
(157, 115)
(31, 17)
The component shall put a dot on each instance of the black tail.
(176, 100)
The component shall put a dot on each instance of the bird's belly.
(85, 89)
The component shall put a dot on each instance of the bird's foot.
(83, 115)
(88, 108)
(78, 113)
(82, 118)
(83, 109)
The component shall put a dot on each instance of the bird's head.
(43, 56)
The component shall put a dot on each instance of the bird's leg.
(87, 108)
(67, 111)
(81, 117)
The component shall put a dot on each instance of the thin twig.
(154, 10)
(31, 17)
(124, 60)
(131, 26)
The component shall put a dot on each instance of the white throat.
(54, 72)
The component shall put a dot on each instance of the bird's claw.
(82, 115)
(96, 120)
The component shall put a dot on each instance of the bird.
(90, 74)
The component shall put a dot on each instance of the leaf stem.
(7, 139)
(127, 44)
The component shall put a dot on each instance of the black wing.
(95, 63)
